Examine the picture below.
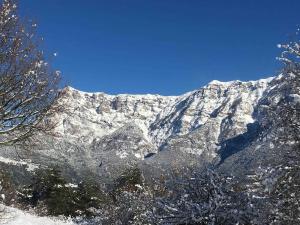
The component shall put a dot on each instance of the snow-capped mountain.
(143, 124)
(235, 128)
(103, 134)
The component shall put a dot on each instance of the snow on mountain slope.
(29, 166)
(102, 134)
(93, 115)
(215, 112)
(227, 106)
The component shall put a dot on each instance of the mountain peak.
(162, 118)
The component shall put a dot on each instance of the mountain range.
(103, 134)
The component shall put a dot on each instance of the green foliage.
(90, 196)
(50, 191)
(129, 180)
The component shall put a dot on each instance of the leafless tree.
(204, 198)
(29, 88)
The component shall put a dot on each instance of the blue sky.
(162, 46)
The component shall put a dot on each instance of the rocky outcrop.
(194, 122)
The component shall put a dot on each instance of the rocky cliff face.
(102, 134)
(139, 125)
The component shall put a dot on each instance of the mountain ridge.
(103, 134)
(219, 109)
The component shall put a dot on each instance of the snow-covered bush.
(203, 197)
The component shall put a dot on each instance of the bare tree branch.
(29, 88)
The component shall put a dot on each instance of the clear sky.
(162, 46)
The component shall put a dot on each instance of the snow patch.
(122, 154)
(17, 217)
(29, 166)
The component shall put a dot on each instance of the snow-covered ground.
(14, 216)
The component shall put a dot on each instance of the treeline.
(193, 197)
